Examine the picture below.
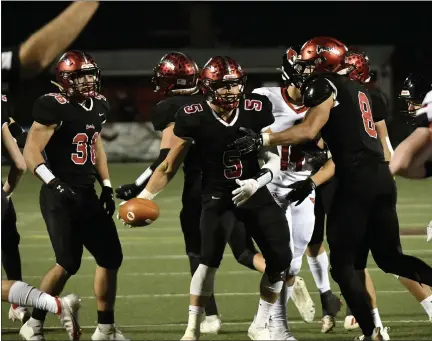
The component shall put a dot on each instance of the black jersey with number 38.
(350, 131)
(71, 150)
(221, 166)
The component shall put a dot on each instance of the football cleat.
(257, 332)
(211, 325)
(280, 331)
(191, 334)
(378, 334)
(17, 313)
(32, 330)
(111, 333)
(302, 300)
(350, 323)
(68, 315)
(429, 232)
(328, 324)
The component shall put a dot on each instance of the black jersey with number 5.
(221, 166)
(350, 131)
(163, 114)
(71, 150)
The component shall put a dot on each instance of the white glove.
(245, 191)
(429, 232)
(121, 220)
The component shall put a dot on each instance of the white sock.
(263, 314)
(194, 321)
(376, 318)
(319, 268)
(289, 293)
(25, 295)
(427, 305)
(278, 311)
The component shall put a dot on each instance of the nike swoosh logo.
(101, 114)
(215, 198)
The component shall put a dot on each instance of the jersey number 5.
(233, 165)
(81, 142)
(366, 111)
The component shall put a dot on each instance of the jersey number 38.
(81, 141)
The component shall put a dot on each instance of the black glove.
(301, 189)
(107, 200)
(63, 190)
(248, 143)
(317, 160)
(129, 191)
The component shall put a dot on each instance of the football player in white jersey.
(288, 110)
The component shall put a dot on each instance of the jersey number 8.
(81, 142)
(366, 111)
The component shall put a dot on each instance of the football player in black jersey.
(176, 75)
(233, 184)
(67, 126)
(364, 206)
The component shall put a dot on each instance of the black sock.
(105, 317)
(348, 311)
(38, 314)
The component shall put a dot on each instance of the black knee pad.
(70, 265)
(111, 261)
(246, 258)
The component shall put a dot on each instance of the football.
(139, 212)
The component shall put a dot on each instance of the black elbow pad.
(316, 91)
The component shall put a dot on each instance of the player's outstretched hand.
(250, 142)
(121, 220)
(301, 190)
(128, 191)
(245, 191)
(63, 191)
(107, 200)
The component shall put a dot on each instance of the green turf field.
(154, 279)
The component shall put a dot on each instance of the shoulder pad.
(317, 90)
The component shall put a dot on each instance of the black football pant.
(364, 211)
(263, 220)
(11, 259)
(190, 215)
(240, 242)
(73, 226)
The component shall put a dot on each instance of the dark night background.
(171, 25)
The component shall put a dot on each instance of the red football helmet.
(222, 72)
(78, 75)
(357, 64)
(175, 73)
(321, 54)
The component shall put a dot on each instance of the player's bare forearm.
(18, 163)
(40, 49)
(101, 164)
(169, 167)
(407, 150)
(315, 119)
(381, 129)
(324, 174)
(37, 139)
